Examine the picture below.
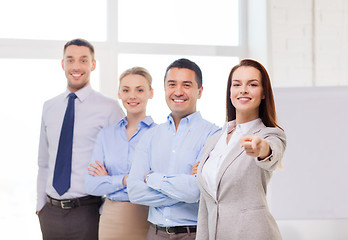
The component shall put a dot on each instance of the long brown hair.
(267, 110)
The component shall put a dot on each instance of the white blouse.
(222, 149)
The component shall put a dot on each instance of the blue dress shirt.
(169, 154)
(115, 151)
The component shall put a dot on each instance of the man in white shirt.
(68, 212)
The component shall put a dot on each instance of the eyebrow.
(140, 86)
(187, 81)
(250, 80)
(84, 56)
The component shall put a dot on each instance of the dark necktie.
(62, 169)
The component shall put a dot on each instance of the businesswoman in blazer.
(237, 163)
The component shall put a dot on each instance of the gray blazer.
(240, 211)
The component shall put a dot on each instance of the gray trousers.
(154, 234)
(76, 223)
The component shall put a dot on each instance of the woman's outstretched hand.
(255, 146)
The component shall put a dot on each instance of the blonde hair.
(138, 71)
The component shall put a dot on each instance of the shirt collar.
(146, 121)
(190, 119)
(81, 93)
(122, 122)
(244, 127)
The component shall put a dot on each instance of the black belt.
(176, 230)
(75, 202)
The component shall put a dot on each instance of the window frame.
(107, 52)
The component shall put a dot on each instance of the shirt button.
(167, 220)
(173, 151)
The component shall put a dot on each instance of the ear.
(63, 64)
(151, 94)
(94, 64)
(200, 90)
(119, 94)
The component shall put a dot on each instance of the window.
(181, 22)
(53, 20)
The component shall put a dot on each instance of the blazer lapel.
(208, 147)
(235, 152)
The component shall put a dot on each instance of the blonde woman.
(110, 163)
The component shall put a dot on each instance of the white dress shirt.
(222, 149)
(93, 111)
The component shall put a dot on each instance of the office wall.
(308, 46)
(310, 189)
(308, 42)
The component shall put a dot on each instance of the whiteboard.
(313, 183)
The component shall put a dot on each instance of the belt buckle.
(168, 232)
(63, 202)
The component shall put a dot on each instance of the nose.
(132, 95)
(243, 89)
(178, 90)
(76, 65)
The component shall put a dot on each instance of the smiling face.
(246, 93)
(134, 92)
(78, 63)
(181, 92)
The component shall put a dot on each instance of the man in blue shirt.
(163, 172)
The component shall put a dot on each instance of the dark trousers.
(69, 224)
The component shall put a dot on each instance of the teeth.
(76, 75)
(244, 98)
(178, 100)
(133, 104)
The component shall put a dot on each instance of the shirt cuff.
(267, 159)
(117, 181)
(154, 181)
